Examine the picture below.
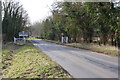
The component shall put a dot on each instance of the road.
(80, 63)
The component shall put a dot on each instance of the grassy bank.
(105, 49)
(26, 61)
(33, 39)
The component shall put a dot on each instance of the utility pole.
(0, 24)
(0, 38)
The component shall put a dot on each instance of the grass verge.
(105, 49)
(26, 61)
(33, 39)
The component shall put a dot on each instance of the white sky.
(37, 9)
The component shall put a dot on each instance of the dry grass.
(105, 49)
(26, 61)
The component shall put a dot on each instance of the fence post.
(66, 39)
(62, 39)
(14, 40)
(24, 39)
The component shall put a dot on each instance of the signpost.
(23, 34)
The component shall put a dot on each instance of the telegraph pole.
(0, 38)
(0, 24)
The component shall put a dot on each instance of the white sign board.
(23, 33)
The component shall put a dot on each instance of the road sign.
(23, 33)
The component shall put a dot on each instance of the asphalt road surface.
(80, 63)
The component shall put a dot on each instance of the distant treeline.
(83, 22)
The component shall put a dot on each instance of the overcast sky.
(37, 9)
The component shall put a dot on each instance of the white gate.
(19, 40)
(64, 39)
(22, 34)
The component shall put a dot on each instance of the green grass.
(105, 49)
(33, 39)
(26, 61)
